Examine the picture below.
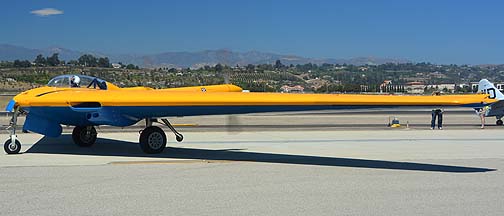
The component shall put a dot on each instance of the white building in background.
(414, 87)
(474, 86)
(292, 89)
(115, 65)
(447, 88)
(499, 86)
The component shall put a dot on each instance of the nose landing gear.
(12, 148)
(12, 145)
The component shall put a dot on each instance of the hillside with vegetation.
(20, 75)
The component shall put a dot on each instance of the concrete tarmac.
(358, 119)
(307, 171)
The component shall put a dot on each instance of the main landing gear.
(153, 139)
(499, 120)
(12, 145)
(84, 136)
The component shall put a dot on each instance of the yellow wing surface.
(208, 88)
(50, 96)
(49, 107)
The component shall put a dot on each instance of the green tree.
(130, 66)
(6, 64)
(53, 60)
(88, 60)
(278, 64)
(73, 62)
(250, 67)
(18, 63)
(40, 60)
(219, 67)
(104, 62)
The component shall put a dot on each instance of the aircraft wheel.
(12, 149)
(84, 136)
(152, 140)
(499, 122)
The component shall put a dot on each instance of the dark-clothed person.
(437, 113)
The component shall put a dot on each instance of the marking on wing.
(45, 93)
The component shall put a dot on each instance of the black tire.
(9, 150)
(499, 122)
(84, 136)
(152, 140)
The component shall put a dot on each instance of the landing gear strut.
(153, 139)
(84, 136)
(178, 136)
(12, 145)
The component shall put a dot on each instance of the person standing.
(437, 113)
(482, 113)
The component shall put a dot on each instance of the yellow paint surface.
(226, 96)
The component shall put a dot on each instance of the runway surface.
(359, 119)
(306, 171)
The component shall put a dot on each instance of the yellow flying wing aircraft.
(85, 102)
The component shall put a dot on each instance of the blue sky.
(439, 31)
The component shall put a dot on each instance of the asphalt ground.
(266, 168)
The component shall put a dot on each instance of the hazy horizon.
(447, 32)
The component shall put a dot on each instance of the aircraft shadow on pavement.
(109, 147)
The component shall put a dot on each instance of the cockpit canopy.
(65, 81)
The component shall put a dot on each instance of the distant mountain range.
(187, 59)
(11, 53)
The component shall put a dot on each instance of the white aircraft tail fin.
(487, 87)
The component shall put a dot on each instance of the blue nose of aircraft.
(10, 105)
